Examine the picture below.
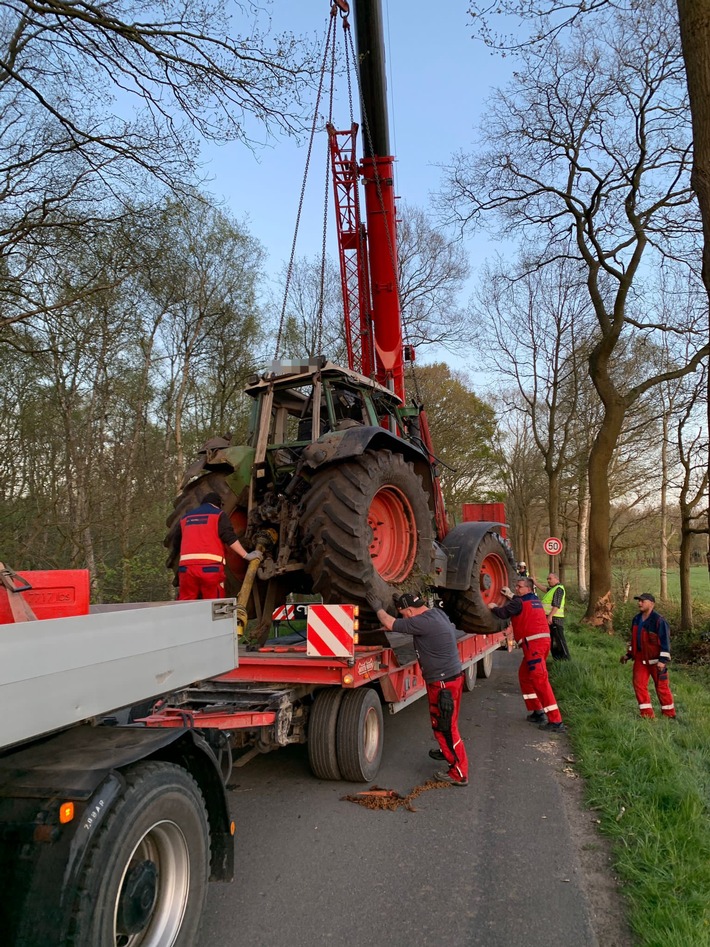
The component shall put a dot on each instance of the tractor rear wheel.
(367, 526)
(490, 572)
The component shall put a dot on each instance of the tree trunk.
(686, 599)
(599, 606)
(694, 20)
(582, 537)
(554, 563)
(664, 510)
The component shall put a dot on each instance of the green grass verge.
(648, 580)
(648, 781)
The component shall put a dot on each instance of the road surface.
(513, 859)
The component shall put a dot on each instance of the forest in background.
(133, 308)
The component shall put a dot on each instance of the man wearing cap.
(650, 650)
(435, 643)
(532, 633)
(205, 531)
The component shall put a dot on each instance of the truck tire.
(469, 677)
(490, 572)
(322, 728)
(145, 876)
(485, 665)
(360, 735)
(367, 526)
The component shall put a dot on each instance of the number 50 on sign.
(552, 546)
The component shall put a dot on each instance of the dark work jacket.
(650, 639)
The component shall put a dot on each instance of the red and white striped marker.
(331, 631)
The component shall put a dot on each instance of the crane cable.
(328, 46)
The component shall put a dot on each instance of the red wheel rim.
(493, 577)
(393, 548)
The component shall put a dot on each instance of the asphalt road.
(513, 859)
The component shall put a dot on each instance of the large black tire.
(469, 677)
(322, 728)
(367, 525)
(491, 570)
(156, 841)
(360, 735)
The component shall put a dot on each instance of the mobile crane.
(338, 482)
(338, 487)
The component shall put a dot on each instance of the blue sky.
(438, 80)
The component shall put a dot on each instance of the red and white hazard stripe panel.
(330, 631)
(284, 612)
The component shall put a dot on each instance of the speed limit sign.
(552, 546)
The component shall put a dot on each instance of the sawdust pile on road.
(377, 798)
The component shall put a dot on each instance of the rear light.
(66, 812)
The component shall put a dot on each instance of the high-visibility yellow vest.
(547, 601)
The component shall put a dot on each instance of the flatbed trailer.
(110, 830)
(282, 694)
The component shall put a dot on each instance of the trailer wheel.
(469, 677)
(485, 665)
(360, 735)
(322, 728)
(366, 524)
(490, 572)
(145, 877)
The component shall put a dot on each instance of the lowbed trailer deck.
(281, 694)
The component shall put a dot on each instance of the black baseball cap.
(409, 600)
(645, 596)
(214, 498)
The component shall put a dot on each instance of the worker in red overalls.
(650, 650)
(434, 637)
(532, 633)
(205, 531)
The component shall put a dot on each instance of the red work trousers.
(642, 672)
(534, 682)
(454, 752)
(200, 580)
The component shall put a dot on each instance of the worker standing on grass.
(205, 531)
(553, 601)
(650, 650)
(435, 643)
(527, 616)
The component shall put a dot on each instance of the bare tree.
(98, 100)
(433, 268)
(551, 17)
(593, 142)
(524, 478)
(530, 326)
(693, 458)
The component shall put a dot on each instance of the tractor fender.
(353, 441)
(461, 544)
